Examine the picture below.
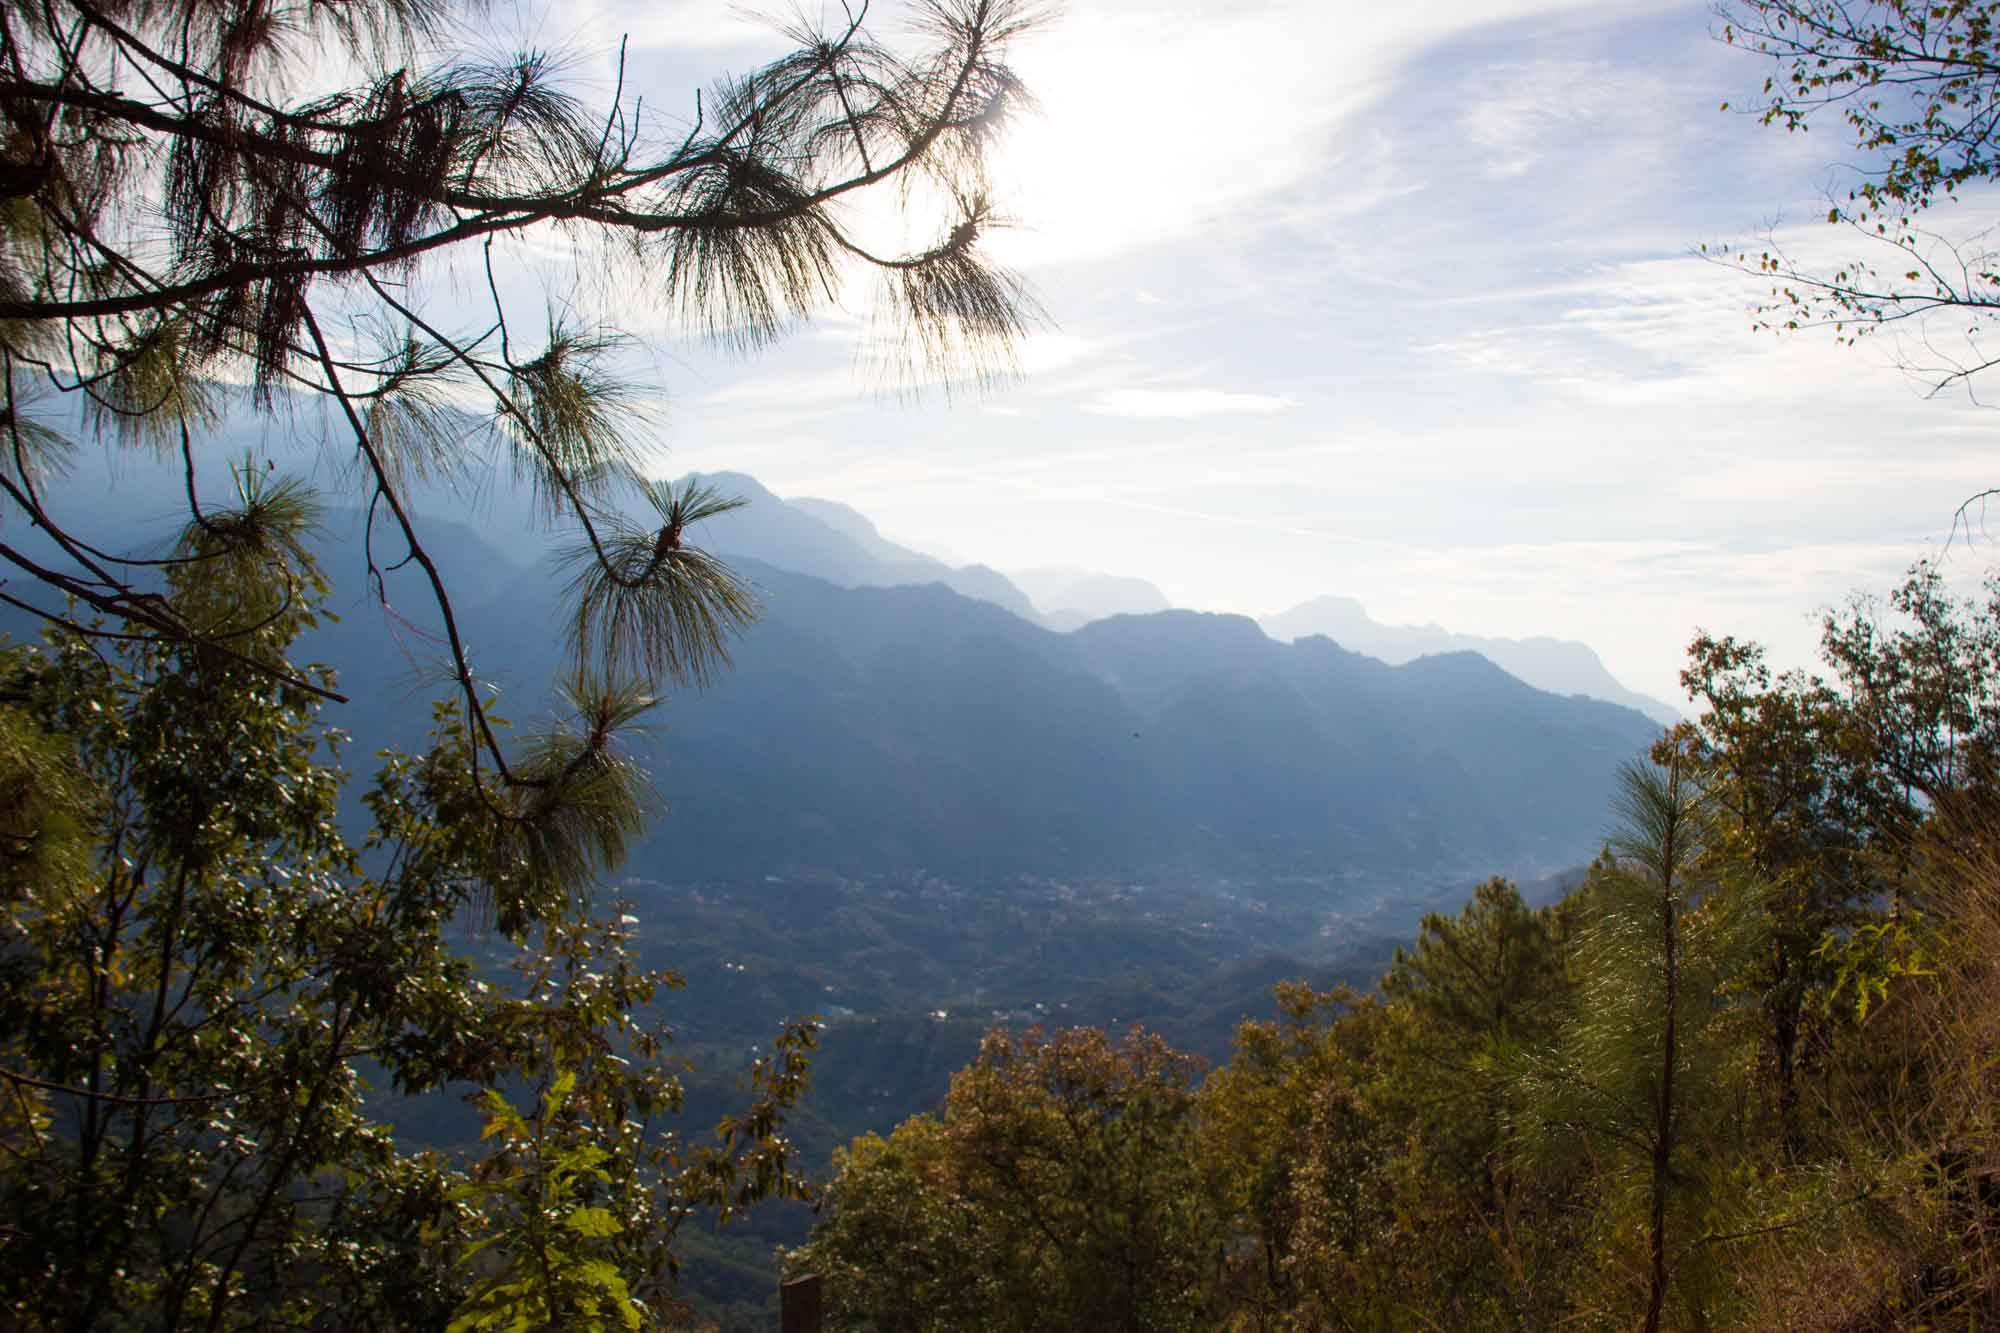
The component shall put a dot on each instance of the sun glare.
(1151, 127)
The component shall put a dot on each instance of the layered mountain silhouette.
(838, 544)
(870, 728)
(1561, 666)
(1071, 598)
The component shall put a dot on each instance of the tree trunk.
(1663, 1113)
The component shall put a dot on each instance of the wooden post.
(800, 1305)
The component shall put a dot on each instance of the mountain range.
(892, 726)
(1072, 598)
(839, 544)
(835, 542)
(1561, 666)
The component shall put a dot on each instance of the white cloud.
(1037, 354)
(1186, 403)
(1678, 330)
(1160, 126)
(765, 389)
(1531, 102)
(700, 25)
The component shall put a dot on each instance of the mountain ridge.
(1561, 666)
(871, 729)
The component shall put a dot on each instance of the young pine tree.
(1638, 1082)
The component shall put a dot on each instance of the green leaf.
(593, 1222)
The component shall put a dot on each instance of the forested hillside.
(1735, 1078)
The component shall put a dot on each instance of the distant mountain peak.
(837, 542)
(739, 484)
(1560, 666)
(1069, 598)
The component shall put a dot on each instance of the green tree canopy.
(207, 993)
(1058, 1188)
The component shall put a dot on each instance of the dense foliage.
(1739, 1077)
(204, 980)
(208, 993)
(1059, 1187)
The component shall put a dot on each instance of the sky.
(1396, 302)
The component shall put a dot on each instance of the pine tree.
(206, 202)
(1637, 1080)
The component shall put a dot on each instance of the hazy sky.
(1387, 300)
